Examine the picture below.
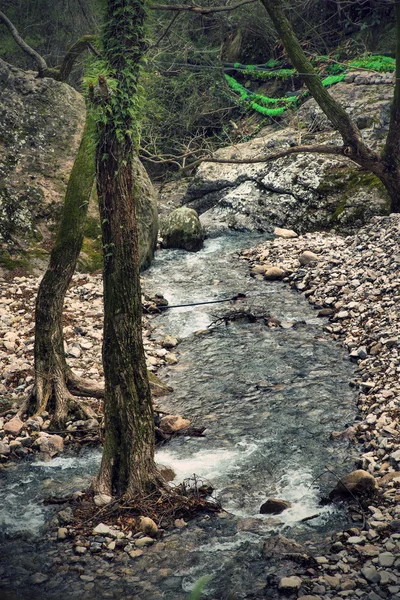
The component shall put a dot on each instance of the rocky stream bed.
(268, 378)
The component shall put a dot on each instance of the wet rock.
(173, 423)
(170, 342)
(180, 523)
(171, 359)
(357, 483)
(38, 578)
(167, 473)
(14, 426)
(274, 506)
(148, 526)
(279, 546)
(182, 229)
(66, 516)
(49, 444)
(290, 583)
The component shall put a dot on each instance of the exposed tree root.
(83, 387)
(52, 394)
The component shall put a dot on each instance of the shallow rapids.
(268, 397)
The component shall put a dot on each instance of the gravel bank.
(355, 282)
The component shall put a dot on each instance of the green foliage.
(260, 103)
(332, 79)
(383, 64)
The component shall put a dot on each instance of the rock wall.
(304, 191)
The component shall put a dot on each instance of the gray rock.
(66, 516)
(102, 529)
(38, 578)
(386, 559)
(182, 229)
(4, 449)
(371, 574)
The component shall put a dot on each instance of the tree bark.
(52, 374)
(127, 468)
(128, 458)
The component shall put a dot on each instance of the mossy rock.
(182, 229)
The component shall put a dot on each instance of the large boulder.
(41, 123)
(182, 229)
(303, 192)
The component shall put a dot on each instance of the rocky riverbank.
(354, 281)
(83, 324)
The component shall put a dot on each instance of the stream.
(268, 397)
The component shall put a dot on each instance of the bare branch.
(85, 43)
(39, 60)
(199, 9)
(317, 149)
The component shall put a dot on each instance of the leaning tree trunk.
(391, 151)
(127, 468)
(52, 374)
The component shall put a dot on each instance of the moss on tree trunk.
(52, 374)
(127, 468)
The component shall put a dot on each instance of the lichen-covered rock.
(41, 121)
(182, 229)
(301, 191)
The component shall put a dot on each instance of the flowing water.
(268, 397)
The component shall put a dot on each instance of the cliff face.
(41, 122)
(304, 191)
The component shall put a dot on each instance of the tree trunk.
(128, 458)
(391, 151)
(127, 468)
(52, 374)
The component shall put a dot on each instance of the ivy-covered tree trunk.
(53, 377)
(385, 166)
(127, 468)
